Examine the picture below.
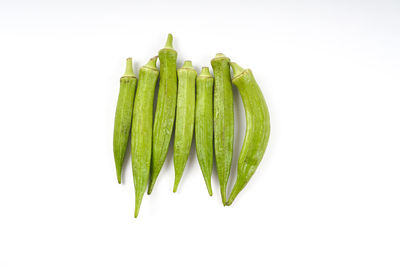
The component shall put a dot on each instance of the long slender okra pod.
(123, 116)
(185, 109)
(204, 124)
(223, 120)
(165, 110)
(257, 127)
(142, 128)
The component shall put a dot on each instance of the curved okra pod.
(123, 116)
(223, 120)
(165, 110)
(184, 118)
(204, 124)
(142, 128)
(257, 127)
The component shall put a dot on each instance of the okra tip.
(138, 202)
(236, 69)
(234, 193)
(168, 44)
(229, 202)
(129, 69)
(205, 71)
(175, 189)
(209, 189)
(150, 189)
(223, 195)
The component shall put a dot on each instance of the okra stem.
(168, 43)
(129, 69)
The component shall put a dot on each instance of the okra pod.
(257, 127)
(204, 124)
(123, 116)
(142, 128)
(184, 118)
(165, 110)
(223, 120)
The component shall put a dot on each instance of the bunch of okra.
(192, 101)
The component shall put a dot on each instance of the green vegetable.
(184, 118)
(165, 110)
(257, 127)
(123, 116)
(142, 128)
(223, 120)
(204, 124)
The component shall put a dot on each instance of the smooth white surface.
(325, 194)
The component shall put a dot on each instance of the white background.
(327, 192)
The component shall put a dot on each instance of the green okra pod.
(142, 129)
(165, 110)
(223, 120)
(204, 124)
(184, 118)
(123, 116)
(257, 127)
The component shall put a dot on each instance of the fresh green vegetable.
(123, 116)
(184, 118)
(142, 128)
(257, 127)
(223, 120)
(204, 124)
(165, 110)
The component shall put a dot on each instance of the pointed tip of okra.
(168, 43)
(149, 190)
(129, 68)
(208, 185)
(154, 174)
(119, 176)
(176, 184)
(187, 64)
(223, 196)
(205, 71)
(235, 191)
(209, 191)
(137, 209)
(230, 201)
(151, 186)
(236, 69)
(138, 202)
